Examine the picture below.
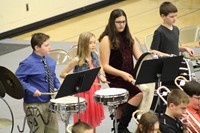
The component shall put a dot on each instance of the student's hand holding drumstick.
(132, 80)
(37, 93)
(103, 78)
(126, 76)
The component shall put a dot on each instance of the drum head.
(67, 100)
(110, 92)
(68, 104)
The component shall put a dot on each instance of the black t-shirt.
(166, 40)
(170, 125)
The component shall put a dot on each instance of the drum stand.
(82, 81)
(79, 109)
(65, 118)
(34, 112)
(112, 110)
(10, 113)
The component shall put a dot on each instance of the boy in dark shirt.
(170, 122)
(166, 37)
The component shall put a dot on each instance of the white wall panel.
(14, 13)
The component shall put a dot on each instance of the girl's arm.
(136, 50)
(69, 67)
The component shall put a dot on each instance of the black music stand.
(157, 70)
(77, 82)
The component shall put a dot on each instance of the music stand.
(157, 70)
(77, 82)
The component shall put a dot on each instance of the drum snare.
(67, 104)
(111, 96)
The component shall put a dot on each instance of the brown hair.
(177, 97)
(167, 7)
(38, 39)
(80, 127)
(147, 122)
(112, 32)
(192, 88)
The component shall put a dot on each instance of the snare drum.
(111, 96)
(68, 104)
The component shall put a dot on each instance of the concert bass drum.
(147, 89)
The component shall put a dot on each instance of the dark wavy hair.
(113, 34)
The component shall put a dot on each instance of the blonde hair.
(83, 46)
(80, 127)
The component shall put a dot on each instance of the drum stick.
(197, 61)
(133, 81)
(193, 56)
(107, 82)
(48, 93)
(100, 84)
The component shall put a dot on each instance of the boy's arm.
(186, 49)
(159, 53)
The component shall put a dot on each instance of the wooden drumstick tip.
(98, 84)
(48, 93)
(107, 82)
(132, 79)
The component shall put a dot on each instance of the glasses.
(120, 22)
